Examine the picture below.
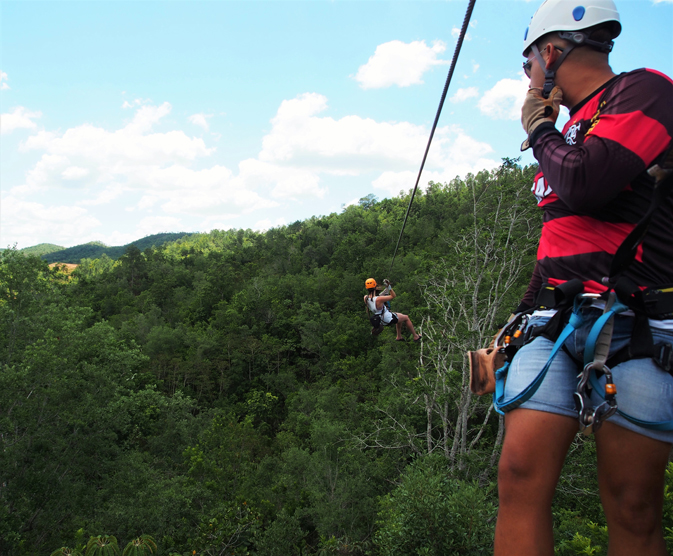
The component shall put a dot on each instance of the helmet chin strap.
(576, 38)
(550, 74)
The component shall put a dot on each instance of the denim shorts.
(644, 390)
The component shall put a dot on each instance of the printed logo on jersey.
(571, 134)
(540, 188)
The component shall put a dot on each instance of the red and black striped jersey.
(593, 186)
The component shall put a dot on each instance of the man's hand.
(537, 110)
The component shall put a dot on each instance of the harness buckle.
(664, 356)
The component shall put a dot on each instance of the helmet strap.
(581, 39)
(550, 74)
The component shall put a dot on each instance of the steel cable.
(463, 30)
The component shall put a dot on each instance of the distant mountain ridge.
(42, 249)
(95, 249)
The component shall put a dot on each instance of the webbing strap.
(592, 346)
(597, 346)
(626, 252)
(501, 405)
(652, 425)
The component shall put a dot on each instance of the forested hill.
(96, 249)
(223, 394)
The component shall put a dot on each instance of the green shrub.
(575, 534)
(142, 546)
(284, 537)
(432, 514)
(102, 545)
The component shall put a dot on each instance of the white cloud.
(147, 201)
(167, 174)
(353, 145)
(3, 81)
(461, 154)
(475, 67)
(19, 118)
(108, 194)
(200, 120)
(135, 102)
(504, 100)
(662, 1)
(201, 192)
(74, 173)
(399, 63)
(464, 94)
(120, 156)
(31, 222)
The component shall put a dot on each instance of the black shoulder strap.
(626, 252)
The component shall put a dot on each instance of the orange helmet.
(370, 283)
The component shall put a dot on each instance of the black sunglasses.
(528, 63)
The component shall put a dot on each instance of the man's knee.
(517, 475)
(529, 470)
(639, 513)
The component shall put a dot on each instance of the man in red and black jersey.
(593, 189)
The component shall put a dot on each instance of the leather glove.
(537, 110)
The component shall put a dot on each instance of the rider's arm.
(381, 299)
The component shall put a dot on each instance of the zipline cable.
(463, 30)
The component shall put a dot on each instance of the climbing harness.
(622, 295)
(596, 354)
(376, 320)
(456, 52)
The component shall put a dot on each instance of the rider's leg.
(631, 481)
(536, 443)
(407, 321)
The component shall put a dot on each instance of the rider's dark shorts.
(644, 390)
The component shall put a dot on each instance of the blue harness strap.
(592, 350)
(589, 353)
(501, 405)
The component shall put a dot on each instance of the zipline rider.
(382, 315)
(593, 189)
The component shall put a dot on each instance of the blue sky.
(127, 118)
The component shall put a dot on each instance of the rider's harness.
(622, 295)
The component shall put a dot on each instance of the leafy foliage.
(102, 545)
(141, 546)
(65, 551)
(430, 513)
(222, 392)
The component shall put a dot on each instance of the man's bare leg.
(631, 471)
(535, 447)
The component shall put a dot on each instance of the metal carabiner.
(590, 418)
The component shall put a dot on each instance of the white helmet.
(572, 15)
